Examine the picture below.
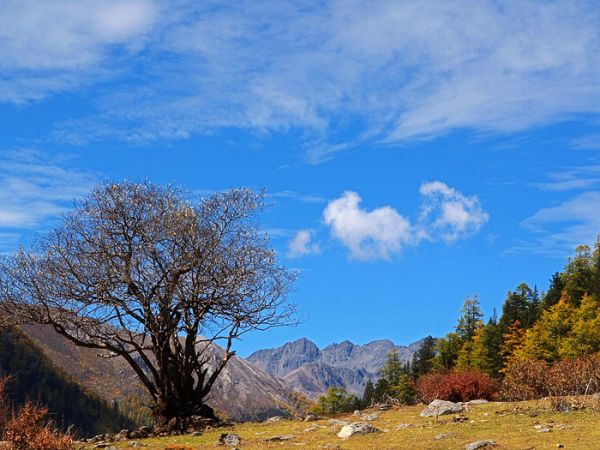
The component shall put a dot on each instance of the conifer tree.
(471, 314)
(368, 395)
(422, 361)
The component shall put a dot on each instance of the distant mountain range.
(310, 370)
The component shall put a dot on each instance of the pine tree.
(368, 395)
(392, 369)
(552, 297)
(471, 314)
(446, 352)
(422, 361)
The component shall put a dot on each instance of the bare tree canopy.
(137, 270)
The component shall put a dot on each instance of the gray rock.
(357, 428)
(480, 444)
(440, 407)
(230, 440)
(371, 417)
(404, 426)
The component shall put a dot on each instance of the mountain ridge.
(311, 370)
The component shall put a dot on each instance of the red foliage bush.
(456, 386)
(28, 428)
(526, 379)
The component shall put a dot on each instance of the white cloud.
(446, 214)
(35, 188)
(449, 215)
(375, 234)
(393, 70)
(302, 245)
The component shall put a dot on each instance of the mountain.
(243, 391)
(33, 377)
(311, 370)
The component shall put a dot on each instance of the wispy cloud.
(564, 226)
(575, 178)
(446, 215)
(365, 70)
(587, 142)
(36, 188)
(48, 47)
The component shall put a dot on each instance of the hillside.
(242, 392)
(311, 370)
(34, 377)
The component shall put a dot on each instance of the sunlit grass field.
(510, 425)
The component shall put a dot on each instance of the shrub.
(527, 379)
(28, 428)
(456, 386)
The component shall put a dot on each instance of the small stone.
(311, 418)
(480, 444)
(479, 401)
(439, 437)
(357, 412)
(229, 439)
(281, 438)
(273, 419)
(371, 417)
(404, 426)
(337, 422)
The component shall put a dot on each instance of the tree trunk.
(176, 414)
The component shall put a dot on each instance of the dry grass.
(511, 425)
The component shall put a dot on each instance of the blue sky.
(413, 153)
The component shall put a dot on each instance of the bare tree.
(138, 271)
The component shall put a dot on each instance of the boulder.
(440, 407)
(357, 428)
(480, 444)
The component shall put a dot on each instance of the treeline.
(543, 343)
(33, 378)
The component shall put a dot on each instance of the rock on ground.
(357, 428)
(480, 444)
(440, 407)
(230, 440)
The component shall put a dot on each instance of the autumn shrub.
(526, 379)
(456, 386)
(28, 428)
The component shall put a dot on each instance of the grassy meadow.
(518, 425)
